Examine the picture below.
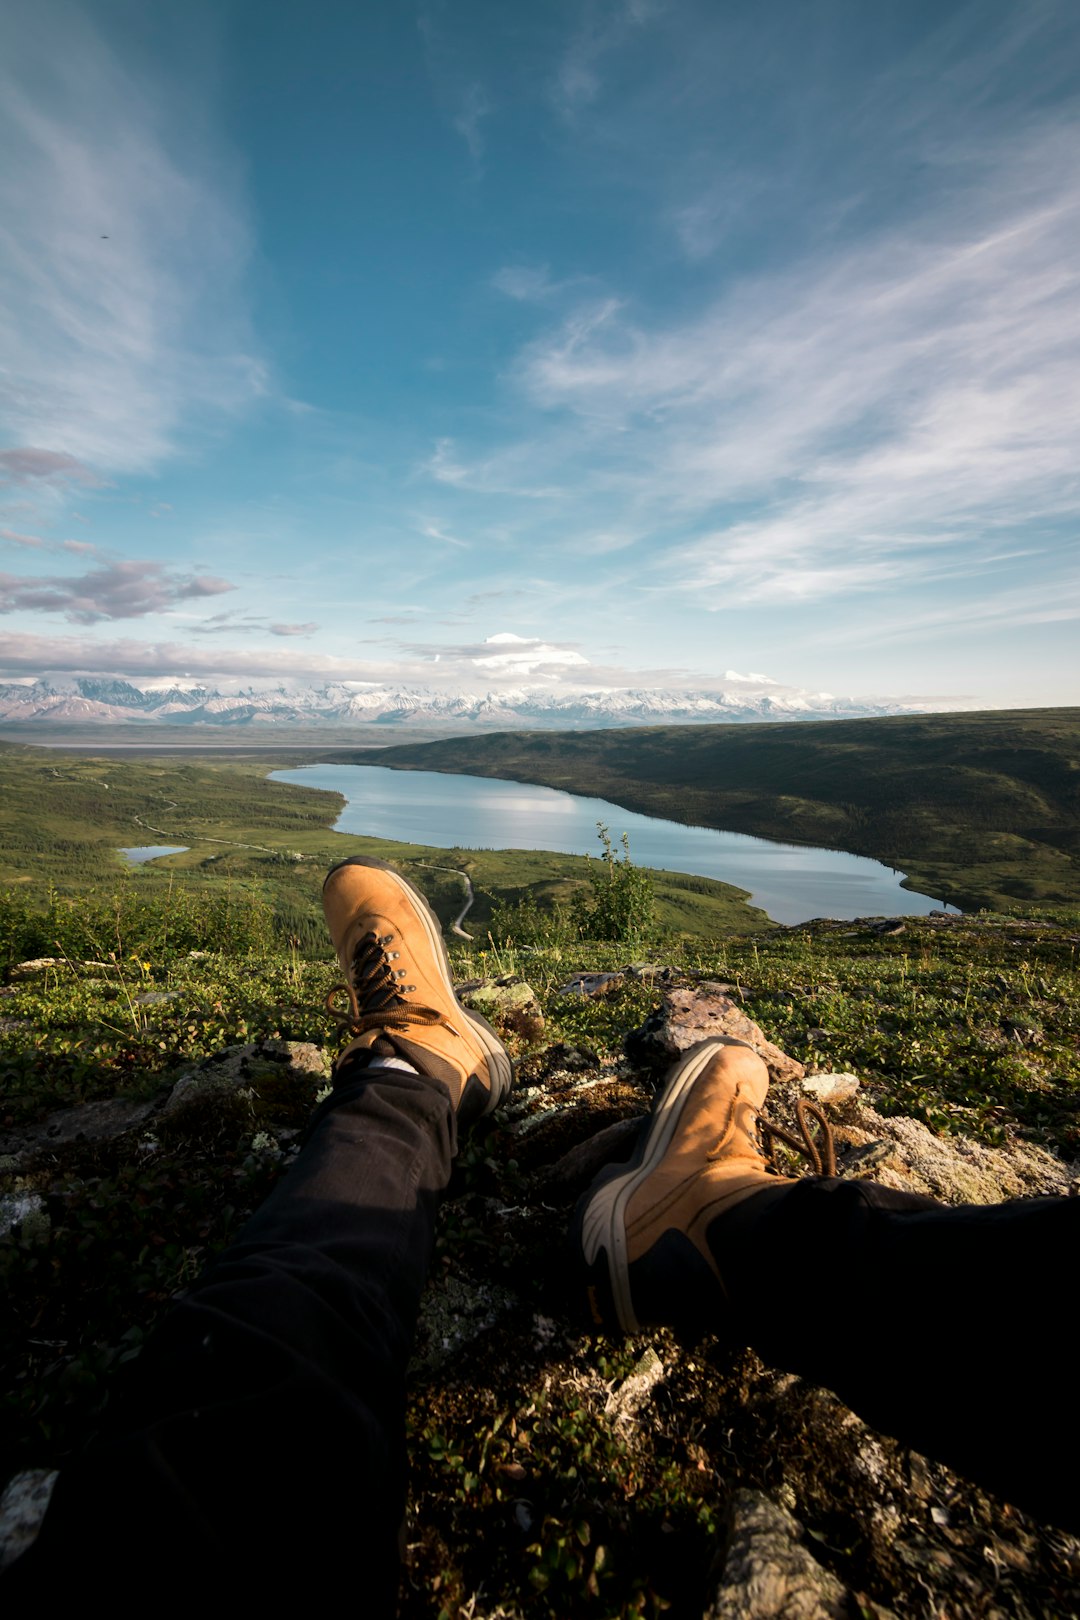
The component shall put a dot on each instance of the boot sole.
(500, 1069)
(600, 1221)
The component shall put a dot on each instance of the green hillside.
(63, 819)
(979, 809)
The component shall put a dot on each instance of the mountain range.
(103, 700)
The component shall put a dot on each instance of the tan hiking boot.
(641, 1230)
(401, 995)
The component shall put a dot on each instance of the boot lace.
(821, 1152)
(376, 996)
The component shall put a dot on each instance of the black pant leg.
(260, 1443)
(944, 1327)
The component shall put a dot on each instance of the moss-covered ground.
(527, 1497)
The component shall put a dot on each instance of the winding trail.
(470, 896)
(233, 843)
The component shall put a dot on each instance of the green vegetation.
(977, 809)
(262, 844)
(522, 1488)
(971, 1026)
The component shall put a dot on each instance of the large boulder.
(688, 1016)
(902, 1152)
(98, 1121)
(769, 1573)
(239, 1066)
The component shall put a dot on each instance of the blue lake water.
(150, 852)
(790, 882)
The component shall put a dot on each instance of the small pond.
(141, 853)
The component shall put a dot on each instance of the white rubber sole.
(603, 1221)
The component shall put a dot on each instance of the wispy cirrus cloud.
(122, 317)
(603, 27)
(469, 121)
(898, 408)
(294, 629)
(122, 590)
(37, 542)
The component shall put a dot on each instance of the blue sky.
(666, 338)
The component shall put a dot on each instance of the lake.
(788, 881)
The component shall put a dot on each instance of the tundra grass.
(971, 1025)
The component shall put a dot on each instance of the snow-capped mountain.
(97, 700)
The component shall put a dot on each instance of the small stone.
(22, 1509)
(591, 984)
(154, 998)
(26, 1211)
(831, 1088)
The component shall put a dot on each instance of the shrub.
(619, 903)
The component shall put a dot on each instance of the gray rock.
(686, 1017)
(591, 984)
(240, 1066)
(22, 1508)
(955, 1168)
(649, 973)
(25, 1210)
(154, 998)
(41, 965)
(512, 1008)
(768, 1573)
(89, 1122)
(831, 1088)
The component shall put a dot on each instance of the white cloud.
(525, 655)
(527, 284)
(606, 27)
(121, 316)
(469, 122)
(887, 412)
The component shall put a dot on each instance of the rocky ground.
(553, 1472)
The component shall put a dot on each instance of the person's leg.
(266, 1416)
(266, 1413)
(943, 1326)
